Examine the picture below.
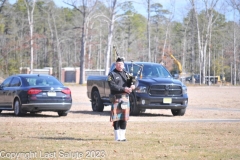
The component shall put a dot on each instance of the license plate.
(167, 100)
(52, 94)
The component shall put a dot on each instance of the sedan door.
(3, 92)
(11, 90)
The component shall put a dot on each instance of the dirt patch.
(204, 103)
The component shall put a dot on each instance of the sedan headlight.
(141, 89)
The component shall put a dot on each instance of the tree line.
(37, 34)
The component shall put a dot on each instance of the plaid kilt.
(117, 113)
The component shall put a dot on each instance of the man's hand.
(127, 90)
(132, 87)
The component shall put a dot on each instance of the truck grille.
(165, 90)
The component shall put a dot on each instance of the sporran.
(125, 101)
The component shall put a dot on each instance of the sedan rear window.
(42, 81)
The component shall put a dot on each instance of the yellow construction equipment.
(177, 63)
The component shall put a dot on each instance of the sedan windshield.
(150, 71)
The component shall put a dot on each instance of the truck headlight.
(141, 89)
(184, 90)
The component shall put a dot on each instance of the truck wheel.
(133, 107)
(97, 105)
(178, 112)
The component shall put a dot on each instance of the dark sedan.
(33, 93)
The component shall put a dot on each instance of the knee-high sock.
(122, 134)
(116, 135)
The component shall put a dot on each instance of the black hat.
(120, 59)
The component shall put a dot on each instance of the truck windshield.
(149, 71)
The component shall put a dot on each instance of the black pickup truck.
(156, 88)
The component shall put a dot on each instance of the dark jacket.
(118, 80)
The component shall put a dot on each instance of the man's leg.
(122, 132)
(116, 130)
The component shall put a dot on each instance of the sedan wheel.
(62, 113)
(0, 111)
(17, 108)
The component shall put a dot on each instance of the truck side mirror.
(175, 76)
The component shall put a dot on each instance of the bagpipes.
(133, 79)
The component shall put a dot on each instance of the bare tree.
(113, 16)
(235, 4)
(30, 4)
(113, 6)
(203, 32)
(2, 4)
(86, 8)
(58, 47)
(148, 29)
(184, 45)
(167, 33)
